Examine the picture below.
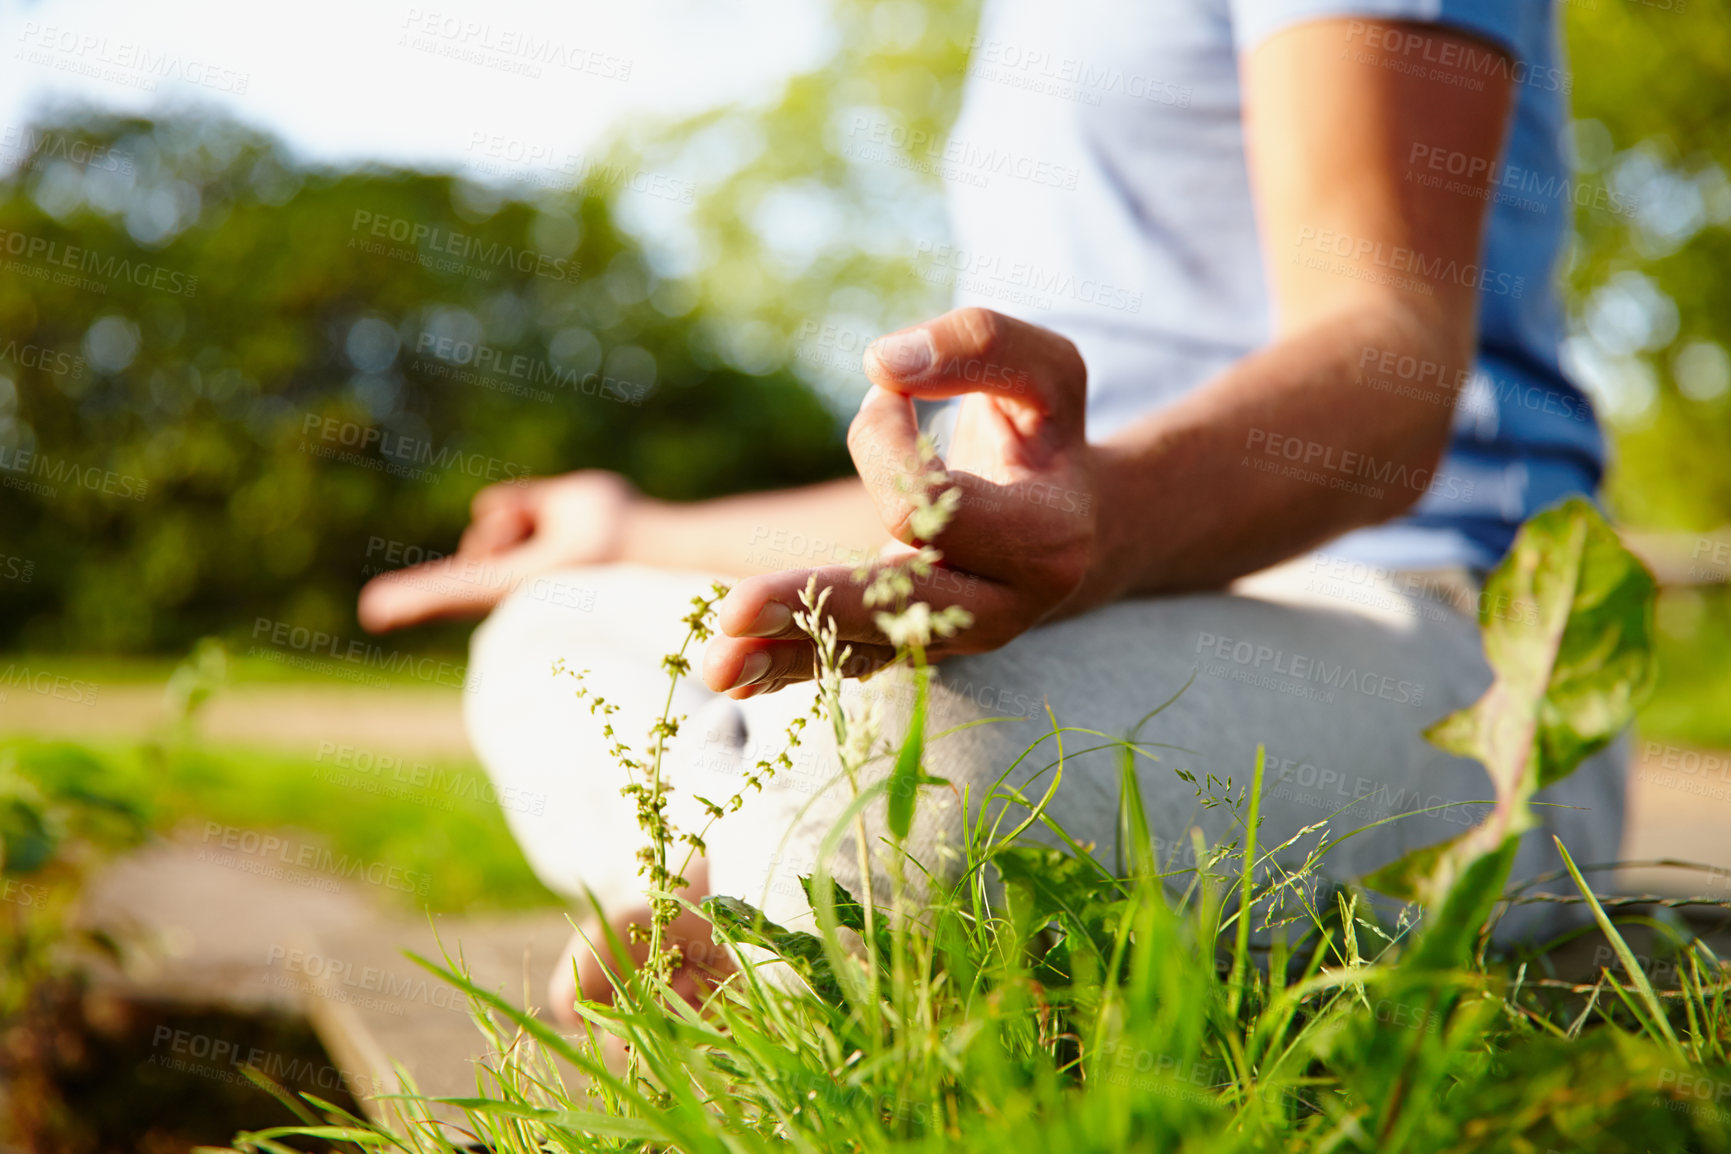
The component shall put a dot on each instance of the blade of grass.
(1241, 944)
(1631, 965)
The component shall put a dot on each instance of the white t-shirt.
(1097, 185)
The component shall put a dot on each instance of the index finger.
(452, 587)
(974, 350)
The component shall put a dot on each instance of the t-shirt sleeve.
(1516, 26)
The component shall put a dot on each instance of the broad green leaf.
(849, 914)
(1567, 626)
(741, 922)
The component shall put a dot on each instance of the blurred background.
(280, 289)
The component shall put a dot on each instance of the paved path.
(239, 932)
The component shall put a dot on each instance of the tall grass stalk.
(1042, 999)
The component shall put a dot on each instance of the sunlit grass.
(1044, 1000)
(443, 829)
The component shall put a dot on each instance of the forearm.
(830, 523)
(1280, 453)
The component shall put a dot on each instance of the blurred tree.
(184, 307)
(229, 382)
(1650, 287)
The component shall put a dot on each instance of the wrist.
(644, 529)
(1118, 561)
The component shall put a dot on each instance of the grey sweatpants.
(1334, 668)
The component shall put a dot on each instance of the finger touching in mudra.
(1015, 546)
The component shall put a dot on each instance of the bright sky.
(426, 84)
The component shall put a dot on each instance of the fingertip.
(741, 607)
(904, 355)
(719, 667)
(373, 610)
(772, 620)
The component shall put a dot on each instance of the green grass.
(446, 834)
(1077, 1012)
(1038, 999)
(431, 827)
(1691, 704)
(241, 670)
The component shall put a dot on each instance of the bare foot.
(704, 963)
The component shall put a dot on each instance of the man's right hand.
(516, 532)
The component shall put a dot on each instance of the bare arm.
(520, 531)
(834, 522)
(1289, 447)
(1281, 452)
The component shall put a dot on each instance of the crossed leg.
(1337, 688)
